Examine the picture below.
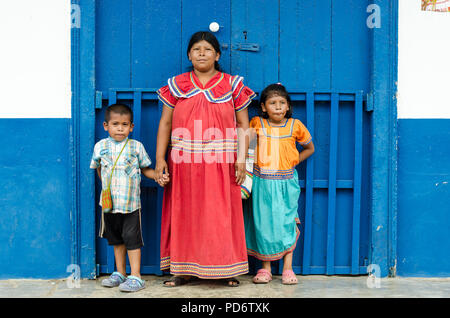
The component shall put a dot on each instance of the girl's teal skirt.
(271, 218)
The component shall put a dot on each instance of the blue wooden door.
(319, 50)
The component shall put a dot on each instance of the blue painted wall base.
(423, 198)
(35, 178)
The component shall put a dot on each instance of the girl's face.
(203, 56)
(276, 107)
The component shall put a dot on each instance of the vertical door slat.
(309, 187)
(357, 183)
(137, 105)
(334, 118)
(112, 94)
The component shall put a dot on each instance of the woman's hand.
(162, 142)
(165, 180)
(239, 167)
(161, 172)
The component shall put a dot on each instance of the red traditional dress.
(202, 230)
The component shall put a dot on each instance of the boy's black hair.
(278, 90)
(120, 109)
(208, 37)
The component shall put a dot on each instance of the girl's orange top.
(276, 152)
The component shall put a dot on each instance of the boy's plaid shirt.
(126, 178)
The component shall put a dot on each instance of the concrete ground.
(313, 286)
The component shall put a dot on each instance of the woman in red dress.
(202, 231)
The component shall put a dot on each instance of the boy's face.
(119, 126)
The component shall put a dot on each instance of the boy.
(122, 225)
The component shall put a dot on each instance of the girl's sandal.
(288, 277)
(263, 276)
(176, 281)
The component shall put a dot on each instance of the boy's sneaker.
(132, 284)
(114, 280)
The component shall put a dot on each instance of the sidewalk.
(312, 286)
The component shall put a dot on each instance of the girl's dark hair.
(277, 90)
(208, 37)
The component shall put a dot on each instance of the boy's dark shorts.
(121, 228)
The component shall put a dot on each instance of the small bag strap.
(114, 166)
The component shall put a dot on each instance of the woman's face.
(203, 56)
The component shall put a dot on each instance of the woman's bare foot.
(177, 280)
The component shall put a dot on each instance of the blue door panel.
(254, 22)
(319, 231)
(346, 141)
(350, 37)
(155, 41)
(305, 37)
(112, 45)
(318, 50)
(343, 224)
(196, 16)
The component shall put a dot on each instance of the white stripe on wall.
(423, 62)
(35, 59)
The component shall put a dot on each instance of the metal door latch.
(252, 47)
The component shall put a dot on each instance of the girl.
(202, 231)
(271, 229)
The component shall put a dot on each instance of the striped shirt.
(126, 177)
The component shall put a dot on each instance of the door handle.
(251, 47)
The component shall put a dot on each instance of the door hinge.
(370, 102)
(392, 271)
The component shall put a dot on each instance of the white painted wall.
(423, 62)
(35, 59)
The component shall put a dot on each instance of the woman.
(202, 232)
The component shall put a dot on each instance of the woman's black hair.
(208, 37)
(277, 90)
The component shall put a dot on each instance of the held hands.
(162, 173)
(240, 172)
(164, 180)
